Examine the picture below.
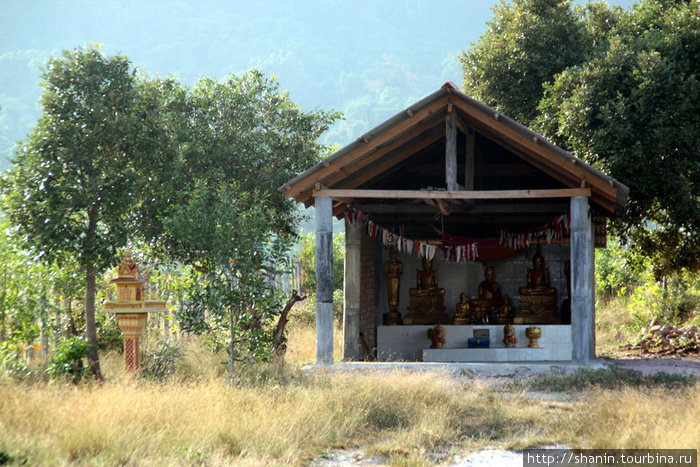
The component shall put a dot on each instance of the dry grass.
(613, 322)
(636, 419)
(127, 421)
(281, 416)
(301, 344)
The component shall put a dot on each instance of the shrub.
(11, 363)
(162, 360)
(68, 359)
(109, 336)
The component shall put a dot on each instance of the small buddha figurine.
(427, 299)
(462, 312)
(506, 310)
(537, 278)
(393, 269)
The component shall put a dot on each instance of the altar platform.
(411, 344)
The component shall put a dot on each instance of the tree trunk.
(91, 327)
(279, 343)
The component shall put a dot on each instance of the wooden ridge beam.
(555, 205)
(440, 194)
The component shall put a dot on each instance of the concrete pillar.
(582, 282)
(351, 289)
(324, 279)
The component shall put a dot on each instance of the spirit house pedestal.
(131, 309)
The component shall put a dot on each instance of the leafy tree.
(307, 257)
(229, 234)
(527, 43)
(27, 292)
(216, 206)
(634, 114)
(622, 94)
(244, 129)
(72, 185)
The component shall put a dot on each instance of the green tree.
(526, 44)
(216, 206)
(244, 129)
(633, 113)
(619, 90)
(229, 234)
(73, 183)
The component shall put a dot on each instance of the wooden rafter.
(396, 158)
(355, 166)
(535, 148)
(329, 167)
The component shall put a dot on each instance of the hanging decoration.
(458, 249)
(557, 229)
(423, 248)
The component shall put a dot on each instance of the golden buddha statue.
(426, 301)
(537, 299)
(393, 269)
(537, 279)
(491, 307)
(489, 289)
(462, 312)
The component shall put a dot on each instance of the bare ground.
(649, 365)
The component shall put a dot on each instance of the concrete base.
(490, 355)
(407, 343)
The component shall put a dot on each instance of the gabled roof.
(380, 158)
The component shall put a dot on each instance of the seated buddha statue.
(537, 298)
(426, 301)
(537, 279)
(491, 307)
(489, 289)
(462, 312)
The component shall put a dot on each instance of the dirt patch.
(688, 366)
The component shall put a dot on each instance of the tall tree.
(243, 129)
(526, 44)
(73, 182)
(622, 95)
(217, 207)
(633, 112)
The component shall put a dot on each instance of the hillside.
(365, 58)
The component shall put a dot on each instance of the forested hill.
(366, 58)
